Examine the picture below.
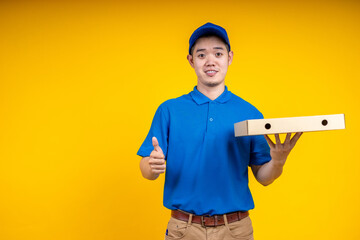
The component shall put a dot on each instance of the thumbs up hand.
(157, 158)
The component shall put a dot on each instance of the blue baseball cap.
(208, 29)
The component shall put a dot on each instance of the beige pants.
(178, 229)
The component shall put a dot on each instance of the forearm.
(268, 172)
(146, 169)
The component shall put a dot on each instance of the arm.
(268, 172)
(151, 167)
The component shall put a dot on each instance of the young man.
(206, 177)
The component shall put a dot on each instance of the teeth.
(210, 71)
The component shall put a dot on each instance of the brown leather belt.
(209, 221)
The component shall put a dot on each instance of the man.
(192, 138)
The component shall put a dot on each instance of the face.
(210, 59)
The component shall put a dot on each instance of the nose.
(210, 61)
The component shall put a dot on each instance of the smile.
(210, 73)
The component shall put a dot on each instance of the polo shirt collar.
(200, 98)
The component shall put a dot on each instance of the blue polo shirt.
(206, 165)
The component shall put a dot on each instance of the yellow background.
(80, 83)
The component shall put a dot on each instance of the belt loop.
(190, 219)
(226, 220)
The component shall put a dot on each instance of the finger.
(158, 171)
(155, 154)
(277, 138)
(156, 145)
(156, 161)
(287, 139)
(271, 144)
(158, 167)
(295, 138)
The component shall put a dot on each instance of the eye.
(201, 55)
(218, 54)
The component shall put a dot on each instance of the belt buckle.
(202, 221)
(208, 216)
(215, 220)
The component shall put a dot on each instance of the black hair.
(208, 35)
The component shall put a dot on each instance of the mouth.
(210, 73)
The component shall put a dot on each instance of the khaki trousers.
(177, 229)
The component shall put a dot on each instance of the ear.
(191, 60)
(231, 55)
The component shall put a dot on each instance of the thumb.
(155, 143)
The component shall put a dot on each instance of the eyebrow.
(203, 49)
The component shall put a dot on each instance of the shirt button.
(211, 119)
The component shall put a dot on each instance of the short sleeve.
(159, 129)
(260, 150)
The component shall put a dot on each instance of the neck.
(211, 92)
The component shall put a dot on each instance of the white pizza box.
(289, 125)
